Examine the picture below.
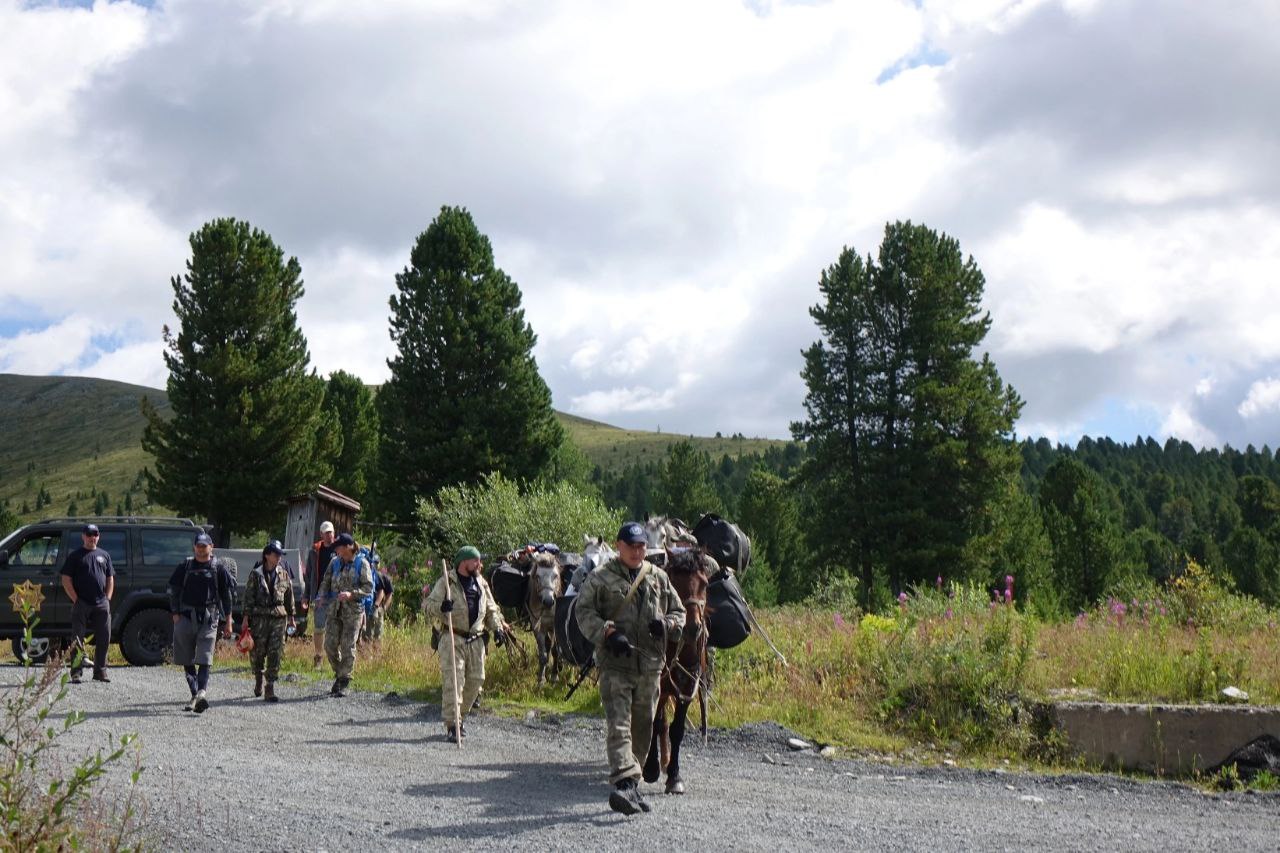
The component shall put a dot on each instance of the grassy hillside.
(69, 434)
(72, 435)
(612, 448)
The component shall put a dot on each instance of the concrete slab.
(1174, 740)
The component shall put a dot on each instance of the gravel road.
(372, 771)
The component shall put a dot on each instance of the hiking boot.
(101, 675)
(257, 684)
(625, 797)
(191, 703)
(75, 678)
(270, 695)
(451, 734)
(338, 688)
(200, 703)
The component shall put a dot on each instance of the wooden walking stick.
(453, 660)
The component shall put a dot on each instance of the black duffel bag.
(727, 621)
(724, 541)
(510, 585)
(570, 641)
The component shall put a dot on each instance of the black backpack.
(724, 542)
(728, 624)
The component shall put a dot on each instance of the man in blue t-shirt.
(89, 580)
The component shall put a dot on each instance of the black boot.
(257, 684)
(271, 693)
(625, 797)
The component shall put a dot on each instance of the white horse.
(595, 553)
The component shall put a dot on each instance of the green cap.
(466, 552)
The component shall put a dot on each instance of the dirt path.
(374, 772)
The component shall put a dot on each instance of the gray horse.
(545, 586)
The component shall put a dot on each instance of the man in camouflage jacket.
(626, 608)
(268, 608)
(344, 585)
(465, 605)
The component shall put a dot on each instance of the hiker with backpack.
(462, 671)
(268, 609)
(376, 610)
(200, 591)
(345, 585)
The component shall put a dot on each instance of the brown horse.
(545, 586)
(684, 673)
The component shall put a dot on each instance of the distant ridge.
(69, 434)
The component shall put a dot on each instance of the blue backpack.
(361, 560)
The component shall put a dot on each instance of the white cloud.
(1263, 397)
(666, 180)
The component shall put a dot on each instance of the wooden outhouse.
(308, 512)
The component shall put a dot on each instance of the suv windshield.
(166, 547)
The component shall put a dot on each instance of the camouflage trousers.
(463, 679)
(373, 622)
(630, 701)
(268, 644)
(341, 630)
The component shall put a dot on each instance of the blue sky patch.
(927, 54)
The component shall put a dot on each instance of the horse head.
(544, 579)
(687, 569)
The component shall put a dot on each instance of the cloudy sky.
(666, 180)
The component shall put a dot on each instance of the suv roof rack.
(120, 519)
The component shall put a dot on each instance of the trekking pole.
(453, 660)
(582, 676)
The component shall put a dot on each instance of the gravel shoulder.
(372, 771)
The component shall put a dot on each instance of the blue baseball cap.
(632, 533)
(272, 547)
(90, 530)
(345, 539)
(204, 539)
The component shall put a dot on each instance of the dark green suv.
(144, 552)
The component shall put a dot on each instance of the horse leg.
(541, 639)
(653, 762)
(675, 785)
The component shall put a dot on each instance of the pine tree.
(909, 432)
(245, 430)
(350, 410)
(685, 490)
(465, 397)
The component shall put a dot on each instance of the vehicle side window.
(115, 543)
(166, 547)
(39, 550)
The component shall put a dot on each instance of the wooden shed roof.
(326, 495)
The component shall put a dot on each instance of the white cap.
(326, 527)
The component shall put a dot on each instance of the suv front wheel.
(147, 637)
(35, 651)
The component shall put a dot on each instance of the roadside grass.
(944, 675)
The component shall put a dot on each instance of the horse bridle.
(699, 640)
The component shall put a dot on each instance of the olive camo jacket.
(268, 595)
(601, 604)
(488, 618)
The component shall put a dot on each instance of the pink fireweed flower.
(1008, 596)
(938, 583)
(840, 623)
(902, 599)
(1082, 620)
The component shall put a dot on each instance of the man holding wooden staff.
(462, 660)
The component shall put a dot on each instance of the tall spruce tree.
(909, 432)
(349, 410)
(465, 397)
(685, 488)
(246, 429)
